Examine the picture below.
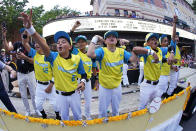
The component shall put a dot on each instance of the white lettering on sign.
(112, 23)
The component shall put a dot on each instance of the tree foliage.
(10, 11)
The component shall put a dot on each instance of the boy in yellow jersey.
(65, 68)
(111, 59)
(152, 68)
(174, 73)
(88, 64)
(43, 75)
(165, 67)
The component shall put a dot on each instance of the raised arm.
(175, 19)
(133, 58)
(27, 22)
(140, 50)
(25, 42)
(91, 49)
(5, 43)
(76, 25)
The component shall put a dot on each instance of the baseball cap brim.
(107, 34)
(80, 37)
(62, 34)
(151, 35)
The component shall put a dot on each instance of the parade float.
(167, 118)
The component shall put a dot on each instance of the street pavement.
(189, 125)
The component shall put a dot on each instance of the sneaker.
(27, 114)
(37, 112)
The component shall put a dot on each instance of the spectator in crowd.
(4, 73)
(3, 94)
(25, 71)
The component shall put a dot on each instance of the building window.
(163, 3)
(152, 2)
(125, 13)
(117, 12)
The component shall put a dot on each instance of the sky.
(79, 5)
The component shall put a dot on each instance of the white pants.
(5, 79)
(107, 96)
(125, 78)
(147, 93)
(140, 76)
(87, 97)
(173, 81)
(24, 81)
(41, 96)
(66, 102)
(162, 85)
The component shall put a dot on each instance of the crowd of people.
(187, 60)
(63, 75)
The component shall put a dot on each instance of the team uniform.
(174, 74)
(152, 72)
(110, 73)
(165, 72)
(43, 75)
(65, 79)
(141, 66)
(88, 64)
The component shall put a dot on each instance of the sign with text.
(111, 23)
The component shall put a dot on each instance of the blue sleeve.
(164, 51)
(51, 57)
(75, 51)
(127, 56)
(94, 64)
(32, 53)
(81, 68)
(99, 54)
(173, 43)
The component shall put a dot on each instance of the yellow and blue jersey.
(43, 71)
(111, 66)
(87, 62)
(65, 71)
(165, 68)
(176, 52)
(152, 71)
